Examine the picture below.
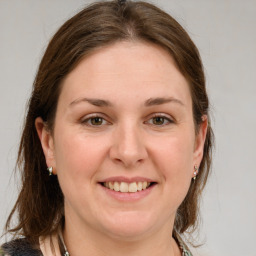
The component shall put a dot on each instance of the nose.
(128, 147)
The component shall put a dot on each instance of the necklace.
(66, 253)
(185, 252)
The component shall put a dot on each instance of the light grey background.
(224, 31)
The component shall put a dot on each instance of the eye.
(94, 121)
(160, 120)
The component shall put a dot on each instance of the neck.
(85, 241)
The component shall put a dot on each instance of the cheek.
(78, 155)
(78, 159)
(176, 152)
(174, 160)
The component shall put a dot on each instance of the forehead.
(124, 69)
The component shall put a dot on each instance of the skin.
(128, 141)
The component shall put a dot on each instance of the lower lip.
(128, 196)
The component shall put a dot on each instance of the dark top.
(19, 247)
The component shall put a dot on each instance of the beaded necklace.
(184, 250)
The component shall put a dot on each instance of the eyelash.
(167, 120)
(88, 120)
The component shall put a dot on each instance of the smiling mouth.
(125, 187)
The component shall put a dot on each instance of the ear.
(46, 139)
(200, 140)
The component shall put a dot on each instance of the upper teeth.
(127, 187)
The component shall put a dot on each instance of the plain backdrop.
(224, 31)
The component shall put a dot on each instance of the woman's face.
(124, 123)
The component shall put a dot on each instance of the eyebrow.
(160, 101)
(105, 103)
(95, 102)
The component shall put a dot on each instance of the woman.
(116, 130)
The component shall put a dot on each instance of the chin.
(129, 226)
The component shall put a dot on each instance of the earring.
(195, 172)
(49, 169)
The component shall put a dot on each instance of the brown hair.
(40, 202)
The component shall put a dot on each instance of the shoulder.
(19, 247)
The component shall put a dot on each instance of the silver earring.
(195, 172)
(49, 169)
